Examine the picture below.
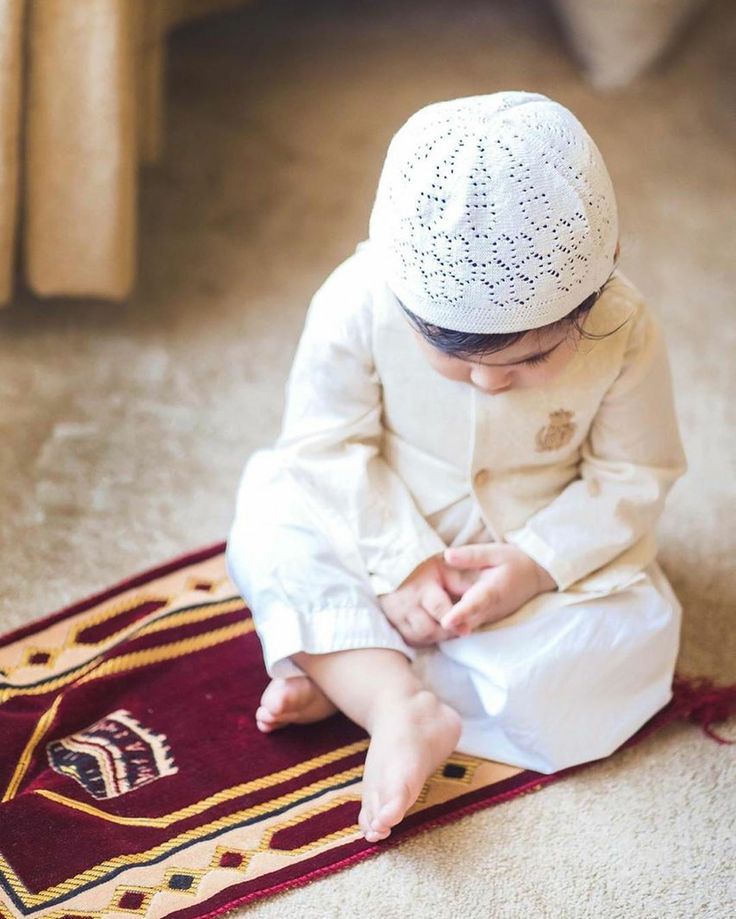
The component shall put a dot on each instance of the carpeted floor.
(124, 428)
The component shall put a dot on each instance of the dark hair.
(468, 344)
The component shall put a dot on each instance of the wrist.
(544, 580)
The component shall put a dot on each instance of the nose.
(490, 379)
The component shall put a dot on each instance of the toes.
(391, 813)
(372, 835)
(363, 821)
(265, 714)
(366, 819)
(266, 721)
(293, 700)
(273, 697)
(378, 816)
(285, 697)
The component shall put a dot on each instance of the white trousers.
(565, 680)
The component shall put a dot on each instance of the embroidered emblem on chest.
(113, 756)
(557, 433)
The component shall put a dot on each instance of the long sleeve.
(630, 460)
(331, 432)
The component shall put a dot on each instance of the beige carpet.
(124, 428)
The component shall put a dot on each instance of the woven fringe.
(701, 701)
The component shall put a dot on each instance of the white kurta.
(382, 462)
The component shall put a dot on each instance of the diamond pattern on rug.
(130, 749)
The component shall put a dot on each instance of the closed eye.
(537, 359)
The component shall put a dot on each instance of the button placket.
(480, 476)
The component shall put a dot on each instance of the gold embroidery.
(96, 668)
(25, 758)
(226, 794)
(164, 849)
(557, 433)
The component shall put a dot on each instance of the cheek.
(534, 376)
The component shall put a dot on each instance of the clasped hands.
(458, 590)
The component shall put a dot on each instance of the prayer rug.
(134, 781)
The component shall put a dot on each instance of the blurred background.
(157, 295)
(179, 178)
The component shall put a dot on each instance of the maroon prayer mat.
(134, 779)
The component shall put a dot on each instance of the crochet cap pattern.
(494, 213)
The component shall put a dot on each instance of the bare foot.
(297, 700)
(409, 741)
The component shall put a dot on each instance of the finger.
(473, 607)
(444, 634)
(479, 555)
(420, 628)
(392, 609)
(435, 600)
(456, 580)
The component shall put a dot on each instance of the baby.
(452, 540)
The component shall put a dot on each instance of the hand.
(507, 579)
(421, 600)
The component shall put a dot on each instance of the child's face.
(536, 358)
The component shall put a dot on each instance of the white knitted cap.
(494, 213)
